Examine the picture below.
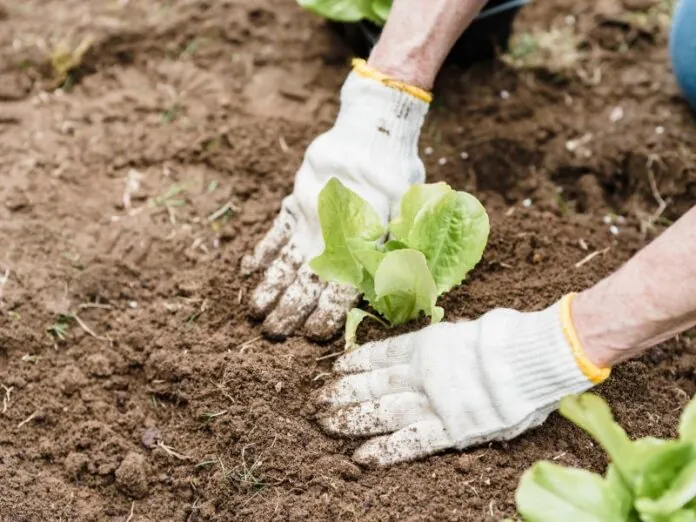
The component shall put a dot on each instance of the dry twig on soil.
(247, 344)
(130, 515)
(3, 282)
(29, 419)
(590, 257)
(7, 398)
(171, 451)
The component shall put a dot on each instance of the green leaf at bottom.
(552, 493)
(353, 320)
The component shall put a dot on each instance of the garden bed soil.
(164, 402)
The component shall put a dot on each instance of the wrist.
(407, 68)
(532, 350)
(594, 332)
(392, 79)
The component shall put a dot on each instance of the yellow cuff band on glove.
(593, 373)
(360, 66)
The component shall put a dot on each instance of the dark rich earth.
(134, 385)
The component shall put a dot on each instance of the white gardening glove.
(373, 150)
(455, 385)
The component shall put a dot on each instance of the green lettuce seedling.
(437, 239)
(648, 480)
(375, 11)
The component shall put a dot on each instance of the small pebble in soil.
(659, 129)
(428, 151)
(131, 476)
(98, 365)
(464, 155)
(442, 161)
(70, 380)
(279, 387)
(151, 437)
(463, 464)
(76, 463)
(338, 465)
(621, 220)
(617, 114)
(133, 304)
(527, 203)
(504, 94)
(607, 219)
(614, 230)
(570, 20)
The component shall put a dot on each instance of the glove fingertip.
(248, 266)
(329, 423)
(321, 331)
(349, 363)
(374, 454)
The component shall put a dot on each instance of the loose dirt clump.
(131, 476)
(130, 191)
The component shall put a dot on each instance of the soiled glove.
(455, 385)
(373, 150)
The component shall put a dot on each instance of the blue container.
(682, 48)
(487, 35)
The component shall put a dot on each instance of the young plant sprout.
(648, 480)
(375, 11)
(436, 240)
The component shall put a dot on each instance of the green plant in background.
(437, 239)
(375, 11)
(66, 59)
(648, 480)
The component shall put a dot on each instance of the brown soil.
(166, 404)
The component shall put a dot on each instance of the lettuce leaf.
(548, 492)
(593, 415)
(375, 11)
(452, 232)
(348, 224)
(353, 320)
(681, 492)
(687, 423)
(648, 480)
(417, 198)
(405, 287)
(381, 10)
(438, 238)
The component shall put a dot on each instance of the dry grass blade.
(329, 356)
(591, 256)
(64, 59)
(247, 344)
(29, 419)
(88, 330)
(7, 398)
(649, 222)
(225, 210)
(130, 515)
(171, 451)
(85, 306)
(3, 282)
(133, 179)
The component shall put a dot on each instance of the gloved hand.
(456, 385)
(373, 150)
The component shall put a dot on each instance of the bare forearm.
(418, 36)
(650, 299)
